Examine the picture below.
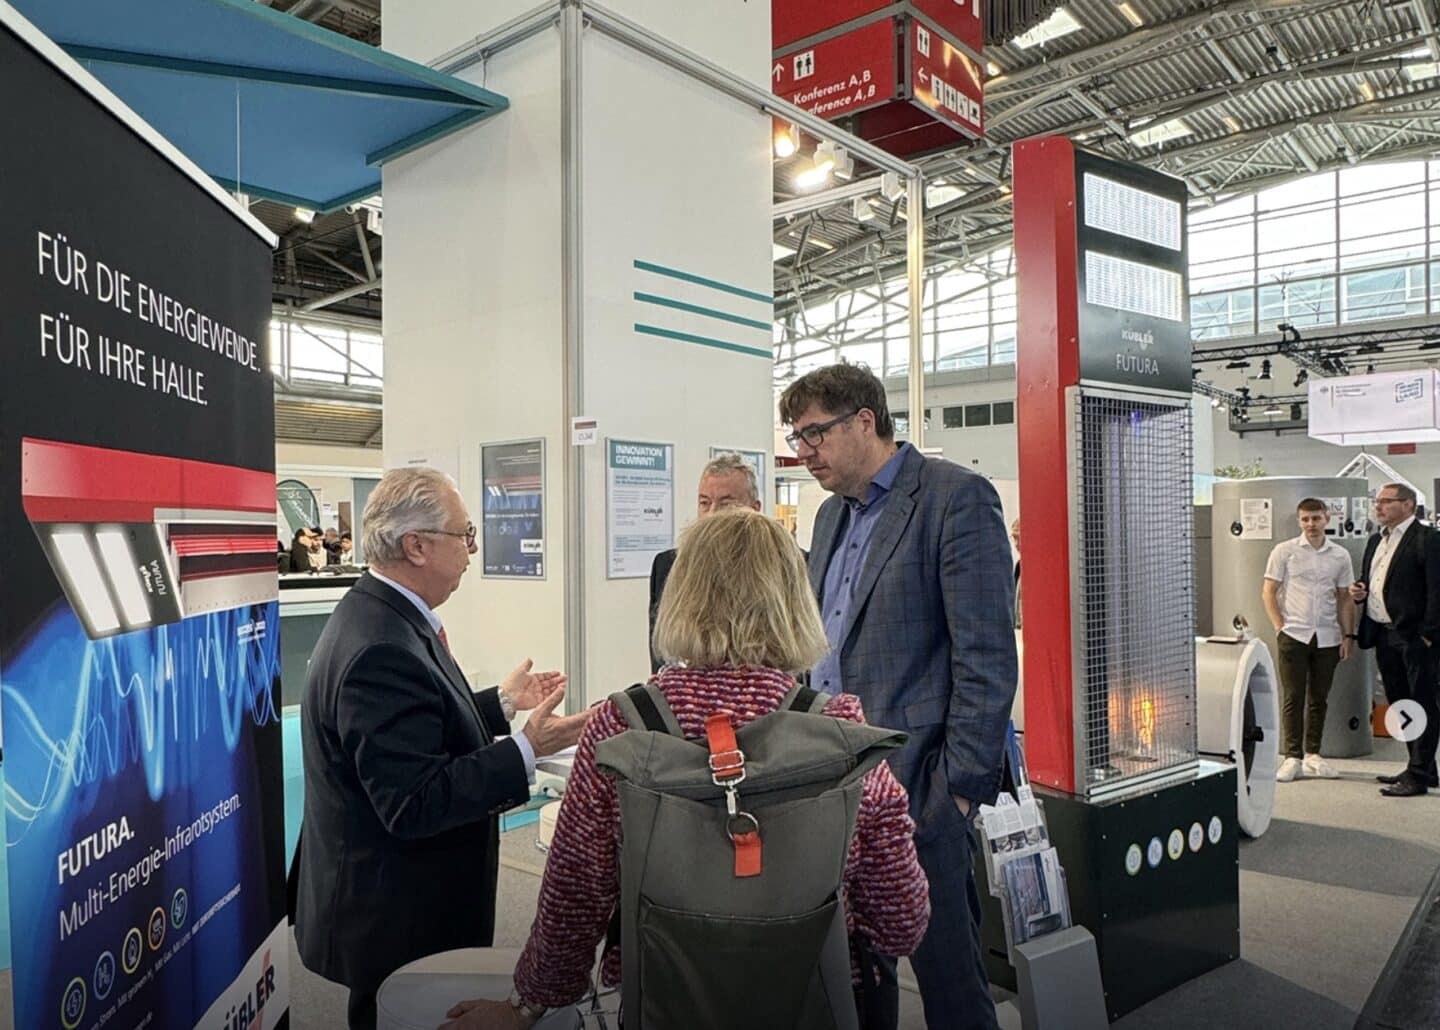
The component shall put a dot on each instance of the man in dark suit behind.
(404, 779)
(1399, 597)
(727, 482)
(910, 563)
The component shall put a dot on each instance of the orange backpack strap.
(727, 769)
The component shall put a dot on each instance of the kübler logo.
(1144, 339)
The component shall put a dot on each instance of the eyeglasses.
(1389, 500)
(468, 535)
(814, 435)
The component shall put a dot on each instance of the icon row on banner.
(1174, 846)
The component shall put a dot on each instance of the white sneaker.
(1314, 765)
(1289, 769)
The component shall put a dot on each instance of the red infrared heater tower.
(139, 540)
(1145, 830)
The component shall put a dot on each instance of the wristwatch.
(530, 1012)
(1352, 636)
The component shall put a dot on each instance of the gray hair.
(732, 464)
(404, 501)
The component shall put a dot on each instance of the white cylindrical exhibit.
(1238, 720)
(417, 996)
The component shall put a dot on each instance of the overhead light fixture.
(1420, 70)
(1264, 369)
(862, 210)
(1272, 409)
(816, 175)
(941, 193)
(992, 69)
(304, 215)
(842, 165)
(1301, 378)
(1005, 189)
(1231, 123)
(1131, 15)
(778, 251)
(1238, 363)
(1366, 90)
(813, 240)
(1160, 132)
(1061, 23)
(1214, 402)
(1296, 413)
(787, 139)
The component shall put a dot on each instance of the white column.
(674, 237)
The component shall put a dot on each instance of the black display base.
(1161, 925)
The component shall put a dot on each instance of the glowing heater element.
(87, 586)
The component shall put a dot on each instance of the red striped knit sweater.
(886, 892)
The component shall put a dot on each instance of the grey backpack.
(734, 850)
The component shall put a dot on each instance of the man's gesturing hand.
(549, 732)
(526, 689)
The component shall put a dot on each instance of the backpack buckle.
(727, 767)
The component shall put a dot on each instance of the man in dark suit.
(1399, 597)
(911, 566)
(727, 481)
(404, 779)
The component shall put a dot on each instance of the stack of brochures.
(1025, 872)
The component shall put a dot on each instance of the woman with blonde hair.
(737, 621)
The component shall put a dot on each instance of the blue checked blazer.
(930, 643)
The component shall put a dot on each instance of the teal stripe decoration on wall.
(759, 321)
(704, 341)
(700, 280)
(696, 309)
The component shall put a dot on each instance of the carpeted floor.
(1324, 895)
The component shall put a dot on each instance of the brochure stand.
(1057, 967)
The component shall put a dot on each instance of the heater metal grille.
(1134, 549)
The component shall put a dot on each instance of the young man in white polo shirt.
(1307, 595)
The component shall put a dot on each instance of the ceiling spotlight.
(787, 139)
(305, 215)
(817, 174)
(862, 210)
(1264, 369)
(1296, 414)
(842, 165)
(1238, 363)
(1214, 402)
(1301, 377)
(1131, 15)
(992, 69)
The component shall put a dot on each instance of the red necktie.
(444, 639)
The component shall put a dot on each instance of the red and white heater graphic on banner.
(139, 540)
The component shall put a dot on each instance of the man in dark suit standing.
(404, 779)
(912, 569)
(727, 482)
(1399, 597)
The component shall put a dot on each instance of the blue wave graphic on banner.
(139, 699)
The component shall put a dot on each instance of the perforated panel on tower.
(1132, 543)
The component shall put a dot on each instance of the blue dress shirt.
(852, 547)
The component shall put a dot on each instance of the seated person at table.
(737, 621)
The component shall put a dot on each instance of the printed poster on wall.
(139, 663)
(755, 459)
(512, 477)
(639, 505)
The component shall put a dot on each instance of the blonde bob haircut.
(738, 595)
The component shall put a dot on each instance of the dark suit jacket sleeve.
(391, 717)
(659, 572)
(488, 701)
(978, 589)
(1430, 624)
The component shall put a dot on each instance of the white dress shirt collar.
(413, 597)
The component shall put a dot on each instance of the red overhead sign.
(946, 81)
(841, 76)
(962, 20)
(794, 20)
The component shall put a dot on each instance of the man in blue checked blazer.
(912, 570)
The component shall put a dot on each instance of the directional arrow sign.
(776, 72)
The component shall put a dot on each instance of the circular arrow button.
(1405, 720)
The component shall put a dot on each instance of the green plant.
(1252, 470)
